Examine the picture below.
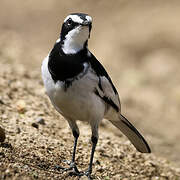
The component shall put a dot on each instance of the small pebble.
(21, 106)
(1, 102)
(2, 135)
(18, 130)
(98, 162)
(2, 155)
(41, 121)
(35, 125)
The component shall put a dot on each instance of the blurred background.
(137, 41)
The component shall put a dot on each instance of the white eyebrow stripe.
(75, 18)
(89, 18)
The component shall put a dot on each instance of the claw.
(72, 165)
(74, 173)
(79, 174)
(88, 174)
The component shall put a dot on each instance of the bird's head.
(75, 32)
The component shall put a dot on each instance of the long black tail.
(132, 134)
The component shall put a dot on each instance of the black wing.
(106, 90)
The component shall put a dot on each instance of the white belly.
(78, 102)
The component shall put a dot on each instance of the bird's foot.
(72, 166)
(74, 170)
(79, 174)
(88, 174)
(75, 173)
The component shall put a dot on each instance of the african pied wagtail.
(80, 88)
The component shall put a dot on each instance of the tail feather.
(132, 134)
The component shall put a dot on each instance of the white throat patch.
(75, 39)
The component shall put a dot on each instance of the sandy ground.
(138, 43)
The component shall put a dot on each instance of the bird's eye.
(69, 21)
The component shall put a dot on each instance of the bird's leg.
(94, 139)
(94, 142)
(75, 131)
(73, 164)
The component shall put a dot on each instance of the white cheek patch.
(75, 18)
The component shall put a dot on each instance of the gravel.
(33, 153)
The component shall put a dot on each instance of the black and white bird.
(80, 88)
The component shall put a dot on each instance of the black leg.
(72, 163)
(76, 136)
(94, 142)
